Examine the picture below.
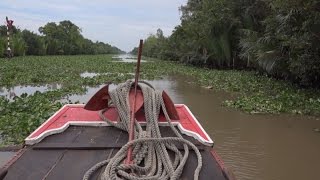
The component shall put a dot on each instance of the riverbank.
(255, 93)
(22, 114)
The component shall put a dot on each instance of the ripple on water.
(240, 154)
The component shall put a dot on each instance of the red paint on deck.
(77, 114)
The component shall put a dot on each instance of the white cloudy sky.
(118, 22)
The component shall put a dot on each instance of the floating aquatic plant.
(255, 93)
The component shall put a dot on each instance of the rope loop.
(151, 159)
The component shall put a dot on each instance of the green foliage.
(19, 46)
(286, 45)
(255, 93)
(3, 30)
(35, 43)
(277, 37)
(134, 51)
(23, 115)
(2, 47)
(64, 38)
(66, 70)
(152, 45)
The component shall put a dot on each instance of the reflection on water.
(128, 58)
(82, 98)
(92, 74)
(10, 93)
(89, 75)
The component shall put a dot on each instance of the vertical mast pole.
(133, 110)
(9, 27)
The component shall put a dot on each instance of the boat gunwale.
(34, 140)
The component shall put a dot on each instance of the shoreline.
(255, 94)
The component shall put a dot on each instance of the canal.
(256, 147)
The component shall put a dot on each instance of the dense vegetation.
(25, 113)
(278, 37)
(64, 38)
(255, 93)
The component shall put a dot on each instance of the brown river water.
(256, 147)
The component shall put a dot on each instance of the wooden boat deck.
(68, 155)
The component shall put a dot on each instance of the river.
(256, 147)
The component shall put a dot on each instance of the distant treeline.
(278, 37)
(64, 38)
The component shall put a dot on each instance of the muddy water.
(256, 147)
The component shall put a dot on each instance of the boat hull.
(74, 139)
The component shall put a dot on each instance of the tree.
(276, 37)
(19, 46)
(35, 43)
(2, 46)
(65, 38)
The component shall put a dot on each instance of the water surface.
(93, 74)
(127, 58)
(10, 93)
(256, 147)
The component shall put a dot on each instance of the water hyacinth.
(254, 93)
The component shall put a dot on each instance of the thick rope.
(151, 160)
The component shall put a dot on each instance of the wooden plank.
(75, 163)
(102, 136)
(33, 165)
(72, 164)
(86, 137)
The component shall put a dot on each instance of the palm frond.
(267, 60)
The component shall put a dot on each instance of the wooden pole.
(133, 110)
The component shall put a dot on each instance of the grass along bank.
(257, 94)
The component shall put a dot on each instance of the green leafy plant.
(255, 93)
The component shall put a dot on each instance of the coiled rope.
(151, 160)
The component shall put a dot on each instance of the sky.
(120, 23)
